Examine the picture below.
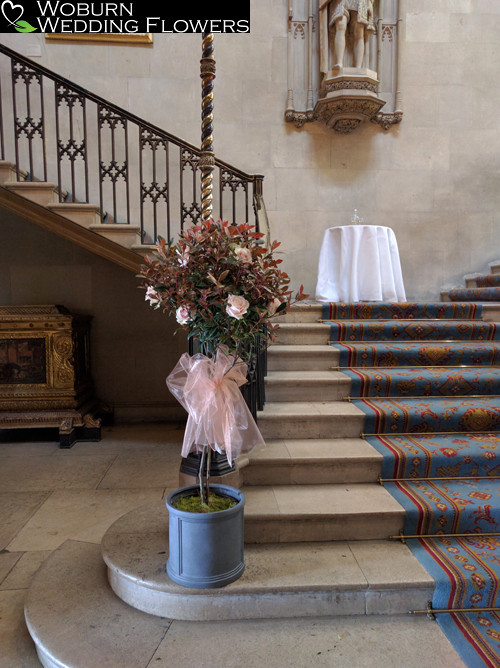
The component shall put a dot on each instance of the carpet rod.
(402, 537)
(430, 612)
(420, 433)
(384, 369)
(463, 477)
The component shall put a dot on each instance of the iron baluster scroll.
(73, 148)
(27, 100)
(156, 170)
(56, 131)
(112, 128)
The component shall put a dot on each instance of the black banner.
(136, 16)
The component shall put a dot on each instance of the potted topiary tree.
(224, 287)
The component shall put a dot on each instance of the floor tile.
(38, 473)
(78, 514)
(7, 562)
(21, 575)
(388, 561)
(148, 470)
(17, 508)
(123, 636)
(342, 642)
(17, 647)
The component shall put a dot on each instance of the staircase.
(478, 287)
(80, 223)
(316, 521)
(321, 533)
(82, 167)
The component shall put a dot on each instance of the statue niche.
(343, 22)
(354, 46)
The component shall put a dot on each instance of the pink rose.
(184, 256)
(243, 254)
(182, 315)
(237, 306)
(273, 306)
(153, 297)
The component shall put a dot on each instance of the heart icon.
(5, 5)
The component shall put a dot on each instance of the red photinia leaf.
(212, 261)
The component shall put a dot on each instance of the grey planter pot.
(206, 550)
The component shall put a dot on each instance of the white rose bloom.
(182, 315)
(237, 306)
(153, 297)
(243, 254)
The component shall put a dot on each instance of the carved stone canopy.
(348, 100)
(343, 63)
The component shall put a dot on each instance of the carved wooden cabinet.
(45, 378)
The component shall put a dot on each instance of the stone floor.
(49, 495)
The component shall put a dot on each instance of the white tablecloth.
(359, 263)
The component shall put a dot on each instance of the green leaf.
(24, 26)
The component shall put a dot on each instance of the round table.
(359, 263)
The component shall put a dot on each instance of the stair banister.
(135, 184)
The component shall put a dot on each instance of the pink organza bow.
(209, 390)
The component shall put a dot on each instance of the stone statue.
(334, 18)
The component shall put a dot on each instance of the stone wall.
(433, 178)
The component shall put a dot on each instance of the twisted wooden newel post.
(207, 157)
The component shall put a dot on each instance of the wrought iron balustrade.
(137, 174)
(98, 153)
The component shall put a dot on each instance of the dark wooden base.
(82, 424)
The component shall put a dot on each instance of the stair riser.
(276, 605)
(303, 335)
(86, 216)
(43, 194)
(320, 426)
(301, 313)
(369, 526)
(302, 361)
(8, 173)
(124, 235)
(334, 391)
(330, 473)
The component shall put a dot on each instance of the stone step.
(309, 513)
(123, 234)
(143, 249)
(470, 280)
(118, 636)
(279, 581)
(330, 419)
(306, 386)
(9, 174)
(300, 333)
(40, 192)
(84, 214)
(494, 267)
(355, 584)
(491, 312)
(283, 357)
(312, 461)
(303, 312)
